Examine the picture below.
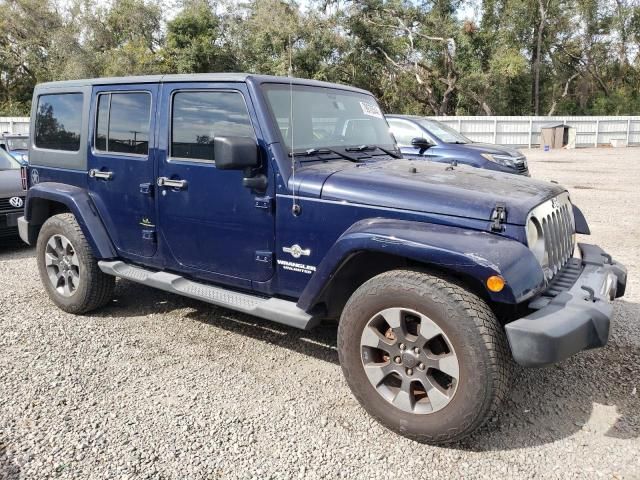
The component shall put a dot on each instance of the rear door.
(121, 165)
(212, 225)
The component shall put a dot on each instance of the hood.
(427, 187)
(11, 184)
(491, 148)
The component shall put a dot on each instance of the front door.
(212, 226)
(121, 165)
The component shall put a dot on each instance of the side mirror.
(240, 153)
(421, 143)
(235, 153)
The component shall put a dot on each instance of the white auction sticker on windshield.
(371, 109)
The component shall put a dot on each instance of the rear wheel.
(68, 269)
(424, 356)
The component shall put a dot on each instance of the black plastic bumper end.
(574, 320)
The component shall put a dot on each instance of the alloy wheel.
(63, 265)
(409, 360)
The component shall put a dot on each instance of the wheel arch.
(362, 266)
(48, 198)
(373, 246)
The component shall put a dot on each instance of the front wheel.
(424, 356)
(68, 269)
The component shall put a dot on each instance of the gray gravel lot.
(158, 386)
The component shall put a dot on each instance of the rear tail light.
(23, 177)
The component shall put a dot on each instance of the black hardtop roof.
(194, 77)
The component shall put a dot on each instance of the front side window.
(444, 132)
(122, 122)
(200, 116)
(326, 117)
(58, 121)
(404, 132)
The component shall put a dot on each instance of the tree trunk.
(536, 62)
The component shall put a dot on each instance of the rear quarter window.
(58, 121)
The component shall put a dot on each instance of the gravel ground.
(158, 386)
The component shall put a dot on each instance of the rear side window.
(199, 117)
(122, 122)
(58, 121)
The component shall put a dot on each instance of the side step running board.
(274, 309)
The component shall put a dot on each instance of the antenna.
(295, 207)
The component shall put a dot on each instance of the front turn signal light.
(495, 283)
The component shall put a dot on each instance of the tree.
(417, 56)
(196, 41)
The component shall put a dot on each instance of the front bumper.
(569, 317)
(9, 223)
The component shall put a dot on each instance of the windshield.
(7, 162)
(326, 117)
(443, 132)
(17, 144)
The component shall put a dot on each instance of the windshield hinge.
(498, 217)
(264, 256)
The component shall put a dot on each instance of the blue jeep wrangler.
(288, 199)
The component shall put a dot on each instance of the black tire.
(484, 361)
(95, 288)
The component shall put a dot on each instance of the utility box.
(554, 135)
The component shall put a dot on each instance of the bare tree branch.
(564, 93)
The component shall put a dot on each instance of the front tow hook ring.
(590, 291)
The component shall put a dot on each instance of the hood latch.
(498, 217)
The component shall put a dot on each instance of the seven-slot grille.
(5, 205)
(556, 219)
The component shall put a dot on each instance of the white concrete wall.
(14, 124)
(525, 131)
(522, 131)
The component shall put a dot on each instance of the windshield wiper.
(323, 151)
(311, 151)
(365, 148)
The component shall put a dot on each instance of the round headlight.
(535, 239)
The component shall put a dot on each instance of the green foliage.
(194, 41)
(417, 57)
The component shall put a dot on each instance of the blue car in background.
(17, 146)
(424, 138)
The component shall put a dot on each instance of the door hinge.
(146, 188)
(264, 256)
(148, 234)
(264, 203)
(498, 217)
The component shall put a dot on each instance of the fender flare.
(79, 202)
(580, 221)
(468, 252)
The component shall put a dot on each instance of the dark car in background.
(17, 146)
(11, 195)
(424, 138)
